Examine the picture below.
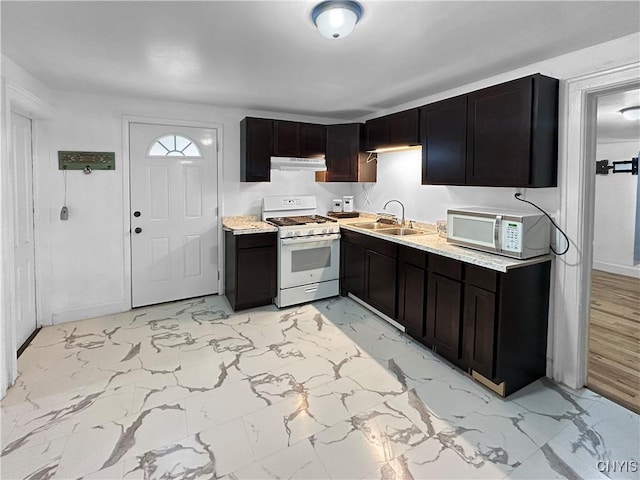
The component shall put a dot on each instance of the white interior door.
(174, 214)
(24, 253)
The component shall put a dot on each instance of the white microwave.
(511, 233)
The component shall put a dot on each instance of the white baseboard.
(378, 312)
(91, 311)
(619, 269)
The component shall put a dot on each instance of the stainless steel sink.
(403, 231)
(390, 229)
(372, 226)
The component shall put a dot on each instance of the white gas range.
(308, 249)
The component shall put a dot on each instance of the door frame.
(21, 101)
(576, 175)
(127, 120)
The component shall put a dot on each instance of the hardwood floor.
(614, 338)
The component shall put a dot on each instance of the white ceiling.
(612, 126)
(267, 55)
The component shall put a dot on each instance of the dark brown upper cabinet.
(262, 138)
(256, 145)
(443, 134)
(295, 139)
(345, 159)
(512, 134)
(395, 130)
(286, 138)
(313, 140)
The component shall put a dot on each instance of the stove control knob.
(325, 230)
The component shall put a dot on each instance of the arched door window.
(174, 145)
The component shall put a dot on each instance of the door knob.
(138, 230)
(136, 214)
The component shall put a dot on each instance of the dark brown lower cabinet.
(444, 316)
(412, 278)
(505, 325)
(411, 299)
(479, 326)
(352, 263)
(380, 283)
(250, 269)
(491, 324)
(369, 268)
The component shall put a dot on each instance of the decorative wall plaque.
(82, 160)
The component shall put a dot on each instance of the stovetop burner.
(301, 220)
(282, 221)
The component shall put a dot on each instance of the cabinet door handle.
(138, 230)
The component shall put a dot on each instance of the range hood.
(296, 163)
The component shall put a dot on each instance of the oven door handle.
(311, 239)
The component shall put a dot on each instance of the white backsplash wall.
(400, 176)
(245, 198)
(615, 213)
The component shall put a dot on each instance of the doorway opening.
(173, 185)
(24, 256)
(613, 363)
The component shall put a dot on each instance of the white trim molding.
(21, 101)
(82, 313)
(633, 272)
(576, 180)
(26, 103)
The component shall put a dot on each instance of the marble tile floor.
(327, 390)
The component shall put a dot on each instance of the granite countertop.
(246, 224)
(429, 242)
(433, 243)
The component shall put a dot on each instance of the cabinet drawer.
(382, 246)
(481, 277)
(371, 243)
(256, 240)
(413, 256)
(351, 237)
(446, 267)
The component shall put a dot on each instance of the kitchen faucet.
(397, 201)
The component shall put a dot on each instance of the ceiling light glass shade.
(336, 19)
(631, 113)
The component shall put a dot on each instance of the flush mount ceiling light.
(336, 19)
(631, 113)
